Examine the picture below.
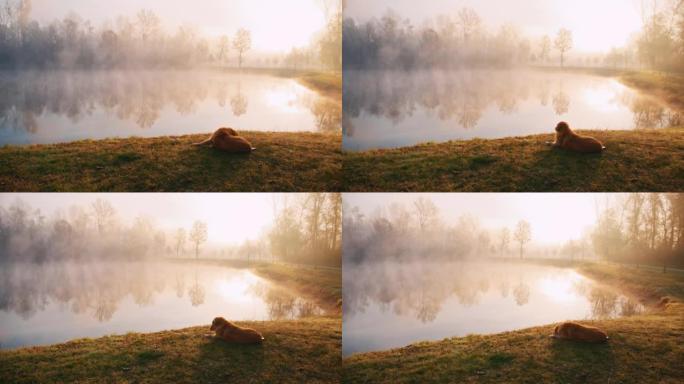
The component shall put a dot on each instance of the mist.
(298, 228)
(627, 228)
(167, 35)
(476, 35)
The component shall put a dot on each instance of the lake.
(389, 305)
(42, 107)
(56, 302)
(390, 109)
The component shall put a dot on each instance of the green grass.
(641, 160)
(643, 349)
(283, 162)
(293, 352)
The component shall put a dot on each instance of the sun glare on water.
(237, 288)
(560, 288)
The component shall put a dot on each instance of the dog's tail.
(205, 142)
(253, 149)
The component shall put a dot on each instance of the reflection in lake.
(39, 107)
(388, 109)
(56, 302)
(389, 305)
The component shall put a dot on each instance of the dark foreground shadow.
(220, 361)
(576, 362)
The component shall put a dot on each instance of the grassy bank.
(326, 83)
(324, 285)
(643, 349)
(643, 160)
(283, 162)
(293, 352)
(668, 87)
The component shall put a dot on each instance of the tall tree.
(522, 234)
(198, 235)
(103, 212)
(545, 49)
(504, 239)
(242, 43)
(563, 43)
(180, 241)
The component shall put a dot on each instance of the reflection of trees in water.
(464, 96)
(521, 292)
(95, 289)
(136, 96)
(196, 292)
(651, 114)
(420, 290)
(328, 114)
(561, 102)
(283, 304)
(238, 102)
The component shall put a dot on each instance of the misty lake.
(42, 107)
(56, 302)
(390, 109)
(389, 305)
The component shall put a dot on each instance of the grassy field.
(293, 352)
(307, 350)
(643, 349)
(283, 162)
(645, 160)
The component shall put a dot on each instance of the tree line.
(416, 231)
(643, 228)
(139, 41)
(461, 40)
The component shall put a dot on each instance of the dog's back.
(235, 334)
(578, 332)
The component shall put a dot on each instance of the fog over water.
(42, 107)
(56, 302)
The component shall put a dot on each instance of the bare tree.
(522, 234)
(426, 212)
(223, 48)
(563, 43)
(180, 241)
(103, 212)
(545, 49)
(242, 43)
(469, 21)
(198, 235)
(148, 24)
(504, 239)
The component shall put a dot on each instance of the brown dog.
(578, 332)
(569, 140)
(231, 333)
(228, 140)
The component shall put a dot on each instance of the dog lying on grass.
(227, 331)
(571, 141)
(578, 332)
(228, 140)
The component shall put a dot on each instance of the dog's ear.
(562, 126)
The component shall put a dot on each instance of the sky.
(275, 25)
(231, 218)
(597, 25)
(554, 217)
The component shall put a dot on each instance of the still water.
(389, 305)
(389, 109)
(40, 107)
(56, 302)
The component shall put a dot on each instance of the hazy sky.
(597, 25)
(555, 217)
(231, 217)
(275, 25)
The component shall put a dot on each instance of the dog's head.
(217, 323)
(562, 127)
